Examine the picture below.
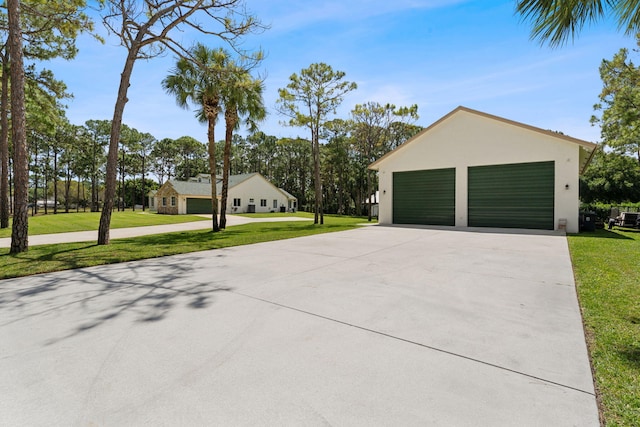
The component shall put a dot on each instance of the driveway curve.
(121, 233)
(373, 326)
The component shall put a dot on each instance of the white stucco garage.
(473, 169)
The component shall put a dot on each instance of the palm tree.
(242, 97)
(199, 81)
(557, 20)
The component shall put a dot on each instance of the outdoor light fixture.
(566, 186)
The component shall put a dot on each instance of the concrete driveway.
(375, 326)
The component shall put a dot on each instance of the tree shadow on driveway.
(143, 291)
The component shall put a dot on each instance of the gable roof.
(589, 147)
(287, 194)
(190, 188)
(237, 179)
(194, 188)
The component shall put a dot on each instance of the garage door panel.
(424, 197)
(513, 196)
(199, 206)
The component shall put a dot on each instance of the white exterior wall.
(466, 139)
(255, 188)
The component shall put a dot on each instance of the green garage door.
(424, 197)
(198, 206)
(512, 196)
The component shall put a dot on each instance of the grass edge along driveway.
(607, 272)
(49, 258)
(89, 221)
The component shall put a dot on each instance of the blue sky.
(438, 54)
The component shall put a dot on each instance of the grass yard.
(86, 221)
(276, 214)
(47, 258)
(607, 270)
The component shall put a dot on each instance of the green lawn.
(607, 270)
(86, 221)
(276, 214)
(47, 258)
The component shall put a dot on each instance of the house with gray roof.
(250, 192)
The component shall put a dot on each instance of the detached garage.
(472, 169)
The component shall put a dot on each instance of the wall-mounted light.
(566, 186)
(384, 191)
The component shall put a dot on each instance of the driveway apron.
(374, 326)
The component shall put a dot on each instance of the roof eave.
(589, 146)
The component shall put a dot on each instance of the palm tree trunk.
(20, 227)
(230, 122)
(211, 148)
(112, 157)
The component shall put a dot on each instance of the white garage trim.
(466, 138)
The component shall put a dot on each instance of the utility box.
(588, 221)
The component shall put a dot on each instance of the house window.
(237, 203)
(152, 200)
(275, 204)
(173, 200)
(251, 202)
(164, 201)
(263, 203)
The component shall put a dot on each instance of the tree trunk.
(94, 194)
(20, 228)
(318, 215)
(55, 182)
(67, 190)
(211, 148)
(4, 144)
(230, 121)
(78, 195)
(144, 195)
(112, 157)
(369, 195)
(34, 209)
(45, 190)
(121, 192)
(11, 200)
(94, 179)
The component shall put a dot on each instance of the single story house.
(473, 169)
(247, 193)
